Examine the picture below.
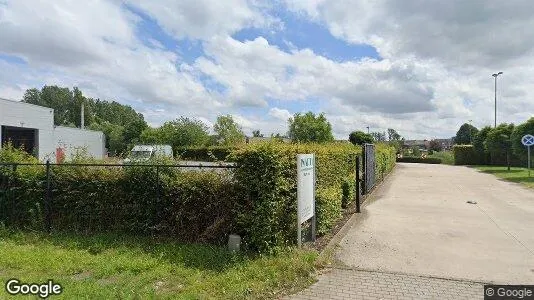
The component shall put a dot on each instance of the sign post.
(528, 140)
(305, 193)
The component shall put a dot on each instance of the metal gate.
(369, 179)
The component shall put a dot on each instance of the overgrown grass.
(519, 175)
(446, 157)
(110, 266)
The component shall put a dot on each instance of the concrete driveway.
(420, 223)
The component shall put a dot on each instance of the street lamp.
(495, 76)
(367, 129)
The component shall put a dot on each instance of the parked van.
(141, 153)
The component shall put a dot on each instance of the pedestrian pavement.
(340, 283)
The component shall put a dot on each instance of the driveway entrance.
(418, 237)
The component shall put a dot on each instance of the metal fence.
(369, 165)
(47, 185)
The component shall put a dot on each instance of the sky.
(420, 67)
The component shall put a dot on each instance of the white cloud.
(435, 73)
(202, 19)
(280, 114)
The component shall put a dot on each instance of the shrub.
(189, 206)
(465, 155)
(215, 153)
(257, 200)
(268, 173)
(429, 160)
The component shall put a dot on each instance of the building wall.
(72, 140)
(19, 114)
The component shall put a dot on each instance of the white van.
(140, 153)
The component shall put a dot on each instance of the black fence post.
(48, 200)
(157, 184)
(357, 192)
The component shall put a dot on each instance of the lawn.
(445, 156)
(519, 175)
(108, 266)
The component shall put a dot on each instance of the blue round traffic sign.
(527, 140)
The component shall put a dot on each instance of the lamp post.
(367, 129)
(495, 76)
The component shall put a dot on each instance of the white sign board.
(305, 186)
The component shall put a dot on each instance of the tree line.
(497, 145)
(124, 127)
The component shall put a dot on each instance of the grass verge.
(519, 175)
(110, 266)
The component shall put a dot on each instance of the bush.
(465, 155)
(257, 200)
(189, 206)
(268, 175)
(215, 153)
(429, 160)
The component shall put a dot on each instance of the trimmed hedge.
(215, 153)
(465, 155)
(428, 160)
(257, 200)
(189, 206)
(268, 174)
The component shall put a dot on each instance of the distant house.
(420, 144)
(446, 144)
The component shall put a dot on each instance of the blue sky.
(265, 61)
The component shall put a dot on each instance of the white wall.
(19, 114)
(74, 139)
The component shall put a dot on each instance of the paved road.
(420, 224)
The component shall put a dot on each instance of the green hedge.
(428, 160)
(257, 200)
(465, 155)
(267, 172)
(215, 153)
(189, 206)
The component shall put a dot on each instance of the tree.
(112, 118)
(379, 136)
(182, 132)
(435, 146)
(115, 142)
(519, 131)
(478, 144)
(256, 133)
(228, 131)
(310, 128)
(499, 142)
(360, 138)
(393, 135)
(465, 134)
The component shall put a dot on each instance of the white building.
(33, 127)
